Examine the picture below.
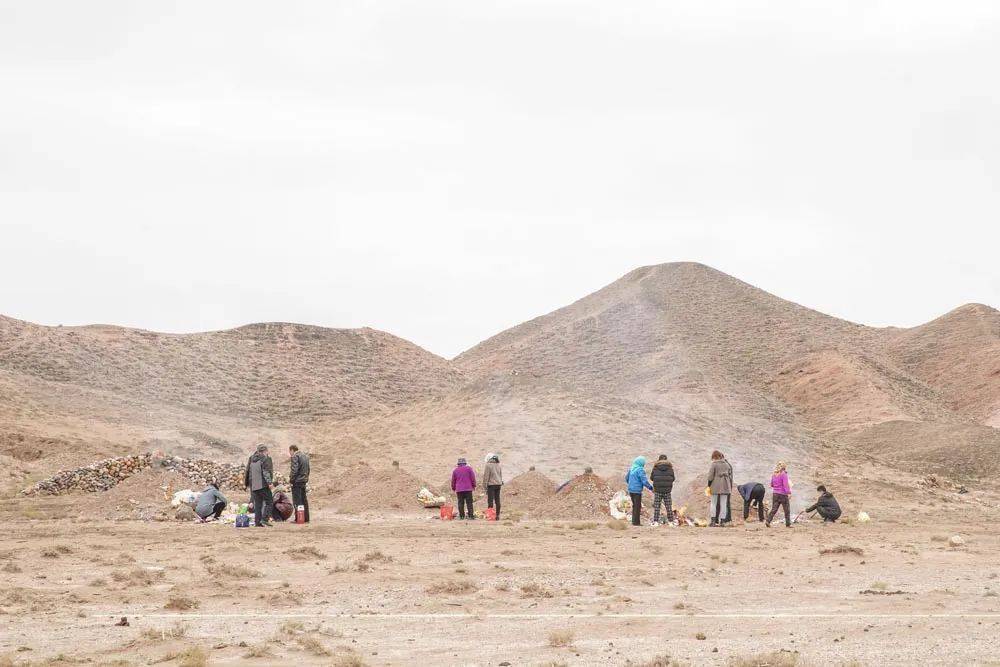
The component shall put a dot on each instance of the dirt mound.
(362, 489)
(584, 497)
(144, 496)
(529, 493)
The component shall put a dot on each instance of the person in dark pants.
(781, 491)
(210, 503)
(463, 483)
(493, 480)
(752, 494)
(720, 484)
(663, 485)
(258, 478)
(299, 478)
(826, 505)
(637, 481)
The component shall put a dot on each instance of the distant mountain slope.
(261, 372)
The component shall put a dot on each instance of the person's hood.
(663, 464)
(257, 456)
(639, 462)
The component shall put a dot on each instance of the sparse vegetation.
(842, 549)
(583, 525)
(774, 659)
(180, 603)
(307, 552)
(533, 590)
(137, 577)
(561, 638)
(234, 571)
(452, 587)
(176, 631)
(615, 524)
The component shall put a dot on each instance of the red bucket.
(300, 514)
(491, 514)
(447, 512)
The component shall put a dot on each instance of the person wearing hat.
(463, 483)
(258, 478)
(493, 480)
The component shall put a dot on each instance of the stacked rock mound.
(99, 476)
(202, 471)
(106, 474)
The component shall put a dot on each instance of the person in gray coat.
(299, 477)
(258, 478)
(210, 503)
(720, 483)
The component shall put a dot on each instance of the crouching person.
(210, 503)
(826, 505)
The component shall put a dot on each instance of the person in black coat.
(752, 493)
(298, 477)
(826, 505)
(662, 478)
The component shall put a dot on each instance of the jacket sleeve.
(812, 507)
(645, 482)
(473, 473)
(293, 475)
(268, 470)
(246, 475)
(711, 474)
(669, 476)
(452, 480)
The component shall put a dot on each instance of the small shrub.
(700, 636)
(781, 658)
(232, 571)
(584, 525)
(193, 657)
(534, 590)
(560, 638)
(312, 645)
(842, 549)
(452, 587)
(615, 524)
(180, 603)
(306, 553)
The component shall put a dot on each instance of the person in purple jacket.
(781, 491)
(463, 482)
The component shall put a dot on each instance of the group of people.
(719, 487)
(463, 483)
(258, 478)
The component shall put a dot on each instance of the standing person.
(663, 484)
(463, 482)
(752, 494)
(210, 503)
(636, 478)
(258, 478)
(298, 477)
(493, 480)
(720, 483)
(826, 505)
(781, 491)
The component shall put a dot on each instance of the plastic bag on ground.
(187, 497)
(620, 505)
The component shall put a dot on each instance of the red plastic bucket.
(447, 512)
(300, 514)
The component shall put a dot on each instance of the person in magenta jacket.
(463, 483)
(781, 491)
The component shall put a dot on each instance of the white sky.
(445, 170)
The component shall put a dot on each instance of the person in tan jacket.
(493, 480)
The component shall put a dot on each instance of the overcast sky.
(443, 171)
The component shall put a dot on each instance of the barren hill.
(261, 372)
(676, 359)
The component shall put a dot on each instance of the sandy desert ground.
(410, 589)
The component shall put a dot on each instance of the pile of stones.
(99, 476)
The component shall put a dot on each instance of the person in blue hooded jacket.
(637, 481)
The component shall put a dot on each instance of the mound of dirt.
(529, 493)
(144, 496)
(362, 489)
(584, 497)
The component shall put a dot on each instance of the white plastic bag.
(187, 497)
(620, 505)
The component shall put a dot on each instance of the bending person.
(210, 503)
(752, 494)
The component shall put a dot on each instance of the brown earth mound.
(362, 489)
(584, 497)
(145, 496)
(529, 494)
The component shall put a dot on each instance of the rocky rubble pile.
(99, 476)
(106, 474)
(201, 472)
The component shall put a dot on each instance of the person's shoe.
(767, 524)
(654, 524)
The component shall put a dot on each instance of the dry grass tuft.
(180, 603)
(561, 638)
(781, 658)
(534, 590)
(583, 525)
(306, 553)
(310, 644)
(349, 660)
(658, 661)
(259, 651)
(232, 571)
(615, 524)
(452, 588)
(842, 549)
(11, 567)
(137, 577)
(176, 631)
(193, 657)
